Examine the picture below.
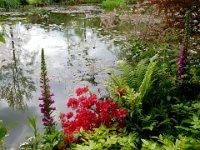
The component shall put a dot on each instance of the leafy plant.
(105, 138)
(2, 39)
(3, 132)
(111, 4)
(9, 3)
(90, 1)
(35, 2)
(168, 142)
(44, 141)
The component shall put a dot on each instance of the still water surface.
(77, 53)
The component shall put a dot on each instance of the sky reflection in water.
(76, 55)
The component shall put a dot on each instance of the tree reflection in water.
(16, 85)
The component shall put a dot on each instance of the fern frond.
(147, 81)
(133, 75)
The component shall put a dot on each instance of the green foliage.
(91, 1)
(106, 138)
(38, 2)
(132, 79)
(170, 143)
(9, 3)
(2, 39)
(44, 141)
(133, 75)
(35, 2)
(131, 1)
(32, 122)
(137, 51)
(3, 132)
(24, 2)
(147, 81)
(111, 4)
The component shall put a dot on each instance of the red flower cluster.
(90, 113)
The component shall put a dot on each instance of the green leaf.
(145, 141)
(153, 146)
(10, 125)
(3, 132)
(1, 123)
(147, 81)
(2, 40)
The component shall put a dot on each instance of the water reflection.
(16, 85)
(76, 55)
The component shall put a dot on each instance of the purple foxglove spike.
(41, 105)
(42, 110)
(52, 94)
(44, 120)
(46, 108)
(54, 108)
(44, 124)
(180, 61)
(51, 120)
(52, 101)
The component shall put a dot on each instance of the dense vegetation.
(106, 3)
(154, 100)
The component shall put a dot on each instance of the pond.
(77, 51)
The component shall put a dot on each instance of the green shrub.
(9, 3)
(38, 2)
(34, 2)
(111, 4)
(132, 1)
(24, 2)
(91, 1)
(104, 138)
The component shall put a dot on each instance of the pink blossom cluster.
(90, 113)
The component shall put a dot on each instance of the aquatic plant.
(46, 98)
(90, 114)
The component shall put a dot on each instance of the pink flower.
(69, 115)
(73, 102)
(80, 91)
(90, 114)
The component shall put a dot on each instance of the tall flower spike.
(184, 61)
(181, 61)
(46, 98)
